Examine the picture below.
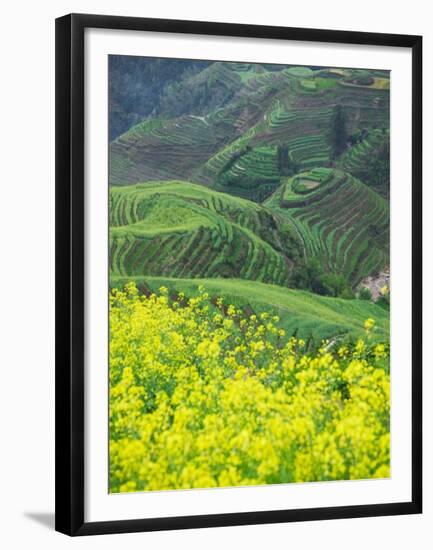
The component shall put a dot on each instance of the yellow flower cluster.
(203, 396)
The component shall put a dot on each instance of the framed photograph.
(238, 274)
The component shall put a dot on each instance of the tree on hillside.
(338, 131)
(283, 159)
(312, 276)
(373, 168)
(379, 169)
(286, 166)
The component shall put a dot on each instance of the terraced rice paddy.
(306, 182)
(260, 109)
(298, 190)
(183, 230)
(295, 125)
(345, 226)
(256, 166)
(162, 151)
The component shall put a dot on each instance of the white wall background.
(27, 273)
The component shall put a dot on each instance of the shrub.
(363, 81)
(364, 293)
(333, 284)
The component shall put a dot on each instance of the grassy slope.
(301, 311)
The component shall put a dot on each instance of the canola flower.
(203, 396)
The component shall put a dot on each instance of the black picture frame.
(70, 283)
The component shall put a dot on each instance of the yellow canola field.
(202, 395)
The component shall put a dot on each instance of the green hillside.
(291, 179)
(180, 229)
(206, 91)
(137, 86)
(237, 116)
(161, 149)
(302, 313)
(342, 222)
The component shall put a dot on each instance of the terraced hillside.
(137, 85)
(254, 174)
(202, 93)
(291, 172)
(302, 313)
(159, 149)
(368, 160)
(179, 229)
(232, 143)
(343, 223)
